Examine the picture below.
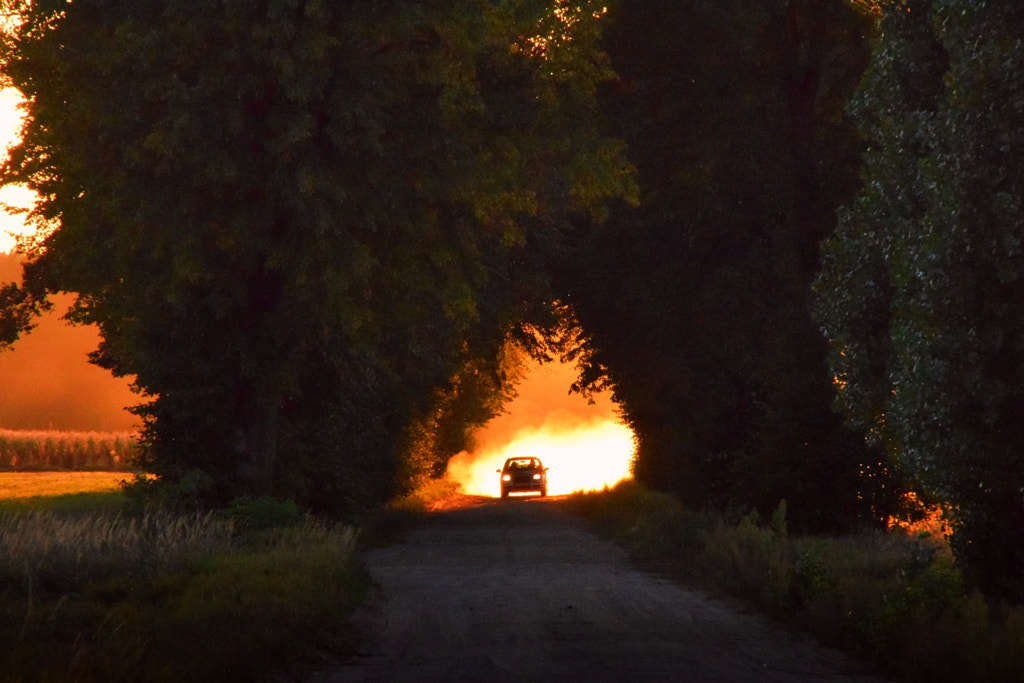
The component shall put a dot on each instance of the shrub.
(894, 598)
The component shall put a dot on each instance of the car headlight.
(536, 476)
(506, 477)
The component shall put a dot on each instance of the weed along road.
(522, 591)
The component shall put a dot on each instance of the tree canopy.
(304, 227)
(923, 284)
(696, 305)
(318, 235)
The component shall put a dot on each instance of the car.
(523, 474)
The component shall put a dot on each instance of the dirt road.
(520, 590)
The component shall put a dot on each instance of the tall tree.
(295, 222)
(697, 304)
(923, 285)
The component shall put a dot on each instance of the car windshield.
(522, 464)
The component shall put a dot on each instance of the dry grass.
(88, 593)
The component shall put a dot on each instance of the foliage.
(922, 287)
(305, 228)
(695, 306)
(897, 600)
(100, 597)
(426, 496)
(17, 311)
(255, 514)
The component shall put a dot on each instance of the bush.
(895, 599)
(264, 513)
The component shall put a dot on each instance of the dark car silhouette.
(523, 474)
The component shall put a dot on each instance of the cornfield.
(26, 451)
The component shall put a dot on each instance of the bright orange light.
(15, 196)
(585, 445)
(932, 524)
(583, 458)
(564, 17)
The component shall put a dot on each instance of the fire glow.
(585, 446)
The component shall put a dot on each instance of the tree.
(922, 287)
(296, 222)
(696, 306)
(17, 311)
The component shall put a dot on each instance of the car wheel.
(504, 492)
(544, 492)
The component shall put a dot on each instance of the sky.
(10, 121)
(46, 380)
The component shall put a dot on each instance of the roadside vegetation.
(390, 523)
(896, 598)
(90, 592)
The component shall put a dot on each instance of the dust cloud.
(585, 445)
(47, 382)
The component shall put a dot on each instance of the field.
(65, 492)
(27, 451)
(89, 592)
(42, 484)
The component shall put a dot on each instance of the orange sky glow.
(46, 380)
(586, 447)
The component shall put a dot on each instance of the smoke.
(584, 444)
(47, 382)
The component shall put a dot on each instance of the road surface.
(519, 590)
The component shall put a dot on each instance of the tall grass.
(162, 597)
(895, 599)
(390, 523)
(62, 451)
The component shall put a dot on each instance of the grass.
(48, 484)
(895, 599)
(65, 492)
(90, 594)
